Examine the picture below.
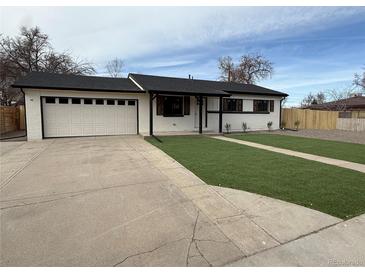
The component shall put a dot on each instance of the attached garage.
(65, 117)
(62, 105)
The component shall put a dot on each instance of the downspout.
(281, 100)
(25, 115)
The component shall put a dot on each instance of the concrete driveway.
(119, 201)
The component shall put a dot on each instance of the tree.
(338, 98)
(115, 67)
(313, 99)
(251, 69)
(32, 51)
(359, 80)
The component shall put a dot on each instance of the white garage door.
(88, 117)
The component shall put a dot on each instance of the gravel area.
(335, 135)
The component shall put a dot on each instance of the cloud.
(131, 32)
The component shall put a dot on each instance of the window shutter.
(239, 105)
(271, 105)
(255, 103)
(159, 103)
(186, 105)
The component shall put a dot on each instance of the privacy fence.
(12, 119)
(319, 119)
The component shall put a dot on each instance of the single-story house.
(59, 105)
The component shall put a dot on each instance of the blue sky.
(312, 48)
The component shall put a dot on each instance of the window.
(121, 102)
(131, 103)
(271, 105)
(261, 105)
(63, 100)
(110, 102)
(232, 105)
(88, 101)
(50, 100)
(76, 101)
(170, 106)
(99, 101)
(186, 105)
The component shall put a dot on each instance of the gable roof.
(184, 85)
(157, 84)
(76, 82)
(161, 84)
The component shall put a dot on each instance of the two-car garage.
(75, 116)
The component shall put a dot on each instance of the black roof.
(184, 85)
(76, 82)
(157, 84)
(175, 85)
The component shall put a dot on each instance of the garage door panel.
(70, 119)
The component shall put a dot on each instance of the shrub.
(282, 125)
(244, 126)
(228, 127)
(296, 124)
(269, 125)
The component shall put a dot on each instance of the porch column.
(151, 113)
(220, 113)
(200, 114)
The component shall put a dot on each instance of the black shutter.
(186, 105)
(255, 105)
(239, 105)
(159, 103)
(271, 105)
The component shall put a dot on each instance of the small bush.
(227, 127)
(282, 125)
(269, 125)
(296, 124)
(244, 127)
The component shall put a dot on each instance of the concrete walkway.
(340, 245)
(325, 160)
(121, 201)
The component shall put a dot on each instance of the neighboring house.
(67, 105)
(354, 103)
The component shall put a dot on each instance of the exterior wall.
(160, 123)
(255, 121)
(184, 123)
(33, 106)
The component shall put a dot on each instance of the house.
(354, 103)
(59, 105)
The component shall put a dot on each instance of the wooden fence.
(309, 119)
(12, 119)
(353, 124)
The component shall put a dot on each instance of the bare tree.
(251, 69)
(32, 51)
(338, 99)
(359, 80)
(115, 67)
(313, 99)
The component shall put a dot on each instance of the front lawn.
(332, 149)
(333, 190)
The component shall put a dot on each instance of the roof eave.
(80, 89)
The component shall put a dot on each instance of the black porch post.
(151, 113)
(220, 114)
(200, 114)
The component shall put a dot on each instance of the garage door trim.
(94, 97)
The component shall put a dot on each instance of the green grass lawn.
(337, 191)
(332, 149)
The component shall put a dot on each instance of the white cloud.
(101, 33)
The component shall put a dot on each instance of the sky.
(312, 48)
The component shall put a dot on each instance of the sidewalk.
(325, 160)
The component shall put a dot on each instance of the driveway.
(119, 201)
